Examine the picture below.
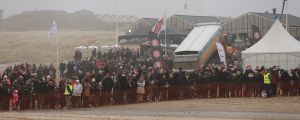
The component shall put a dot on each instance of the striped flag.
(53, 29)
(160, 25)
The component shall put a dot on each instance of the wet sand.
(279, 108)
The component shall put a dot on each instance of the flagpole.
(117, 24)
(286, 16)
(56, 49)
(165, 32)
(51, 32)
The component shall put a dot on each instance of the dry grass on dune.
(37, 47)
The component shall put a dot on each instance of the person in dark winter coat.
(107, 83)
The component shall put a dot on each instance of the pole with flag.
(52, 31)
(161, 25)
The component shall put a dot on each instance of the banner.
(156, 50)
(221, 52)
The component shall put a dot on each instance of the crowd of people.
(26, 79)
(121, 69)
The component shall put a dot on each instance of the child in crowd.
(15, 100)
(141, 89)
(57, 98)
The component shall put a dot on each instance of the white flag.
(53, 29)
(221, 52)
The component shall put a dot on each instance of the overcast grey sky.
(152, 8)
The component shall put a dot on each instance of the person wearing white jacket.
(140, 89)
(77, 91)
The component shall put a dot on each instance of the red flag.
(160, 25)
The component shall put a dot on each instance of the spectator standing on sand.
(86, 91)
(4, 94)
(57, 98)
(15, 100)
(141, 89)
(274, 81)
(68, 95)
(108, 83)
(267, 81)
(77, 90)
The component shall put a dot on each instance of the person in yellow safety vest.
(267, 82)
(68, 95)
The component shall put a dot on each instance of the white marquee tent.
(277, 47)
